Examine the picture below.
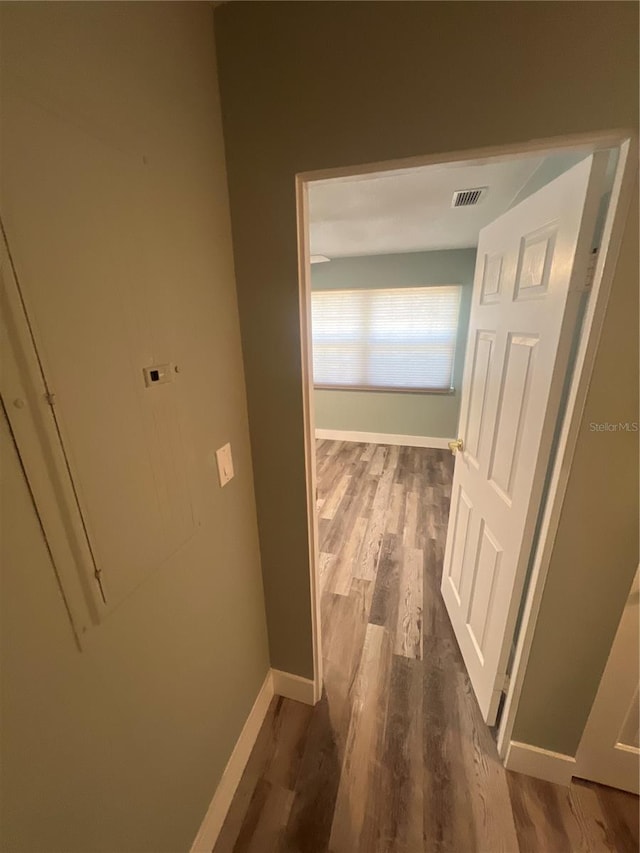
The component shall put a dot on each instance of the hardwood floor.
(395, 758)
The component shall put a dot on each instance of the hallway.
(396, 757)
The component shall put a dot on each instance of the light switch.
(225, 464)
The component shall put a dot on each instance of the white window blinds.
(400, 338)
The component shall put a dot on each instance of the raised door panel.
(459, 549)
(534, 263)
(477, 415)
(492, 276)
(484, 583)
(515, 388)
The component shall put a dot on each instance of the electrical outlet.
(225, 464)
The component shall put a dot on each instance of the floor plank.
(331, 504)
(394, 814)
(368, 700)
(408, 633)
(396, 758)
(342, 573)
(368, 559)
(395, 516)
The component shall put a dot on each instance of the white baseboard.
(219, 806)
(293, 687)
(541, 763)
(384, 438)
(276, 683)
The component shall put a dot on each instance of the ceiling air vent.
(466, 198)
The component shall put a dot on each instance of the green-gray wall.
(434, 415)
(120, 747)
(318, 85)
(591, 572)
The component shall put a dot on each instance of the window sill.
(386, 389)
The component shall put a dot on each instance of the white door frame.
(626, 140)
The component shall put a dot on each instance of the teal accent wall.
(550, 168)
(433, 415)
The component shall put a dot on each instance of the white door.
(609, 751)
(529, 284)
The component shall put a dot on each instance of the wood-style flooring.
(396, 758)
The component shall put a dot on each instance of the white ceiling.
(410, 211)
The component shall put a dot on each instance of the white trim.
(219, 806)
(568, 438)
(308, 418)
(589, 142)
(384, 438)
(276, 683)
(541, 763)
(604, 754)
(294, 687)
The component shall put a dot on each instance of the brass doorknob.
(456, 445)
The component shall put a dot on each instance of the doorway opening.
(453, 300)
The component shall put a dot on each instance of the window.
(400, 338)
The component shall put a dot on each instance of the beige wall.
(316, 85)
(120, 747)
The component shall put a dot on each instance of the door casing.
(627, 142)
(602, 755)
